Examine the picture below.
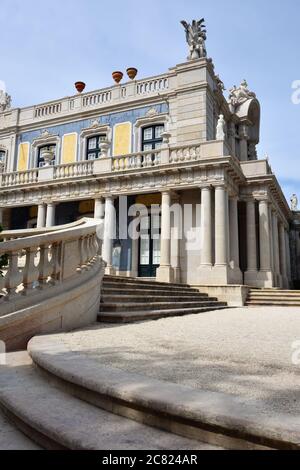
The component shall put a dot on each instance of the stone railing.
(17, 178)
(136, 160)
(47, 273)
(73, 170)
(80, 103)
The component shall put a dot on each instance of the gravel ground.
(244, 352)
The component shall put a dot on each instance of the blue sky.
(47, 46)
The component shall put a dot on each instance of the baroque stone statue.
(5, 101)
(196, 37)
(294, 203)
(221, 128)
(240, 95)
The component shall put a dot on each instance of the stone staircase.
(125, 300)
(273, 298)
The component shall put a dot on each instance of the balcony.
(166, 157)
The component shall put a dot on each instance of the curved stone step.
(61, 421)
(133, 316)
(136, 280)
(11, 438)
(216, 418)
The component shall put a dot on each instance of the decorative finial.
(5, 98)
(294, 203)
(196, 37)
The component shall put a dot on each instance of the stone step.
(217, 418)
(137, 280)
(123, 307)
(147, 286)
(109, 299)
(60, 421)
(272, 302)
(144, 315)
(13, 439)
(164, 293)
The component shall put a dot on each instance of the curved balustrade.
(137, 160)
(41, 261)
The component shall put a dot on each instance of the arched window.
(52, 148)
(152, 137)
(93, 150)
(2, 156)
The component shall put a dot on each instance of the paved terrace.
(241, 352)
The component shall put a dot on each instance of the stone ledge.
(211, 417)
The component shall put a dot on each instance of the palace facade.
(170, 139)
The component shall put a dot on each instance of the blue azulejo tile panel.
(110, 119)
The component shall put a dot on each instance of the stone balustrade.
(104, 165)
(98, 99)
(137, 160)
(17, 178)
(47, 264)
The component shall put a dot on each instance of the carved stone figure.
(238, 96)
(221, 128)
(5, 101)
(196, 37)
(220, 84)
(294, 203)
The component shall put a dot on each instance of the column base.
(177, 275)
(260, 279)
(110, 271)
(235, 276)
(165, 274)
(213, 275)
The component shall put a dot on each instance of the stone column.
(41, 218)
(277, 277)
(109, 234)
(251, 273)
(221, 226)
(206, 227)
(50, 219)
(165, 271)
(288, 256)
(266, 278)
(283, 259)
(135, 251)
(99, 208)
(234, 233)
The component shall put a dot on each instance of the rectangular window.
(41, 150)
(152, 137)
(93, 147)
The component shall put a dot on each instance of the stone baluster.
(30, 273)
(13, 277)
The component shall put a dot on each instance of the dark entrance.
(149, 245)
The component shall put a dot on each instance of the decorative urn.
(48, 157)
(104, 147)
(132, 72)
(80, 86)
(117, 76)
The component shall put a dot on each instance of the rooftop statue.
(240, 95)
(294, 203)
(5, 101)
(196, 37)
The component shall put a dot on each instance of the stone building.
(170, 139)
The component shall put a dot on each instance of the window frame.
(154, 139)
(97, 149)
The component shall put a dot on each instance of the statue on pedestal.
(240, 95)
(294, 203)
(5, 101)
(196, 37)
(221, 128)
